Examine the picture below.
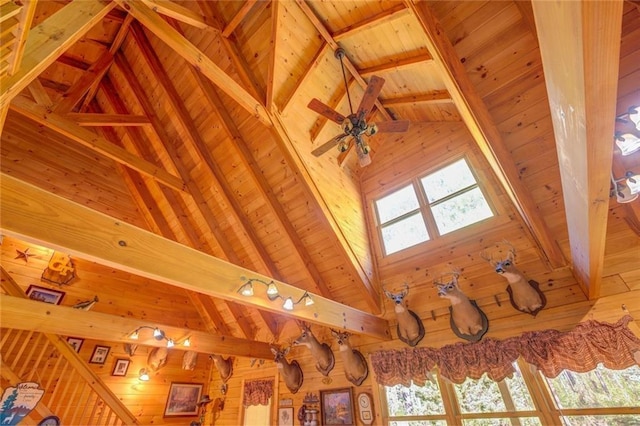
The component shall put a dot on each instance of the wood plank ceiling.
(186, 122)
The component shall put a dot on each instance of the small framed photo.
(285, 416)
(76, 343)
(183, 399)
(337, 407)
(45, 295)
(99, 355)
(120, 367)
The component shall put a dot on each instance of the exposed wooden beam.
(484, 131)
(580, 48)
(209, 313)
(269, 101)
(435, 97)
(27, 211)
(313, 64)
(26, 17)
(397, 11)
(395, 65)
(238, 17)
(25, 314)
(50, 39)
(195, 57)
(180, 13)
(39, 94)
(115, 120)
(89, 139)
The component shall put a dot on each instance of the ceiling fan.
(356, 125)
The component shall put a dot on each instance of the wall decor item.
(183, 399)
(99, 355)
(60, 269)
(76, 343)
(365, 408)
(337, 407)
(321, 352)
(24, 254)
(18, 401)
(43, 294)
(120, 367)
(285, 416)
(410, 328)
(157, 358)
(355, 365)
(291, 371)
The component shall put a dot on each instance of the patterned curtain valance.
(257, 392)
(551, 351)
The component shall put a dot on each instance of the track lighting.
(289, 303)
(158, 334)
(143, 375)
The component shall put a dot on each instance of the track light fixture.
(246, 289)
(143, 375)
(158, 334)
(628, 139)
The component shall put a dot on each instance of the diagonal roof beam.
(238, 17)
(26, 211)
(397, 11)
(580, 48)
(484, 131)
(195, 57)
(180, 13)
(50, 39)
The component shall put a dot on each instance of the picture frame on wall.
(46, 295)
(120, 367)
(76, 343)
(285, 416)
(337, 407)
(183, 399)
(99, 355)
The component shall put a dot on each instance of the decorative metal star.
(24, 255)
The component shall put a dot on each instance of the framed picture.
(285, 416)
(120, 367)
(183, 399)
(337, 407)
(45, 295)
(99, 355)
(75, 342)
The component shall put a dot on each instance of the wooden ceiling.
(171, 140)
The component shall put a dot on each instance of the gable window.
(441, 202)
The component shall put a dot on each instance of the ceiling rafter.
(583, 116)
(85, 233)
(195, 57)
(180, 13)
(397, 11)
(313, 64)
(484, 131)
(256, 175)
(200, 147)
(201, 203)
(115, 120)
(396, 64)
(275, 10)
(213, 321)
(39, 93)
(435, 97)
(50, 39)
(238, 17)
(87, 138)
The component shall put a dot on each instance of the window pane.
(415, 400)
(479, 396)
(518, 391)
(612, 420)
(463, 210)
(523, 421)
(396, 204)
(448, 180)
(597, 388)
(405, 233)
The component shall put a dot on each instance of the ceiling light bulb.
(634, 115)
(628, 143)
(158, 334)
(187, 342)
(134, 335)
(170, 343)
(633, 182)
(308, 300)
(272, 290)
(247, 290)
(144, 375)
(288, 304)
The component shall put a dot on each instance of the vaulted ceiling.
(187, 123)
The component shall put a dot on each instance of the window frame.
(482, 182)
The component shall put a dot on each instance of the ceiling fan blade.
(326, 111)
(398, 126)
(329, 144)
(370, 95)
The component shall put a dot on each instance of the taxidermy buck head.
(525, 295)
(410, 328)
(321, 352)
(291, 372)
(224, 366)
(157, 358)
(355, 364)
(467, 319)
(189, 360)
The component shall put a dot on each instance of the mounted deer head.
(291, 372)
(355, 364)
(189, 360)
(410, 328)
(525, 295)
(321, 352)
(467, 319)
(157, 358)
(224, 366)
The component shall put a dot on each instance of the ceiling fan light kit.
(355, 125)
